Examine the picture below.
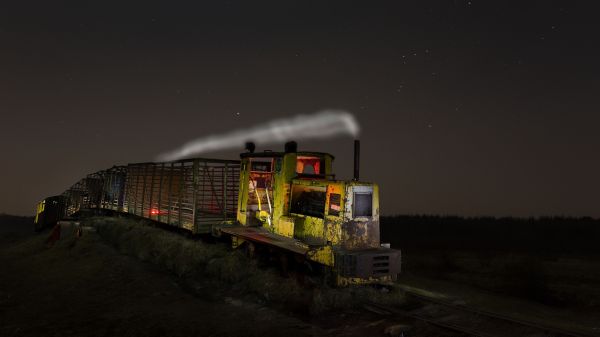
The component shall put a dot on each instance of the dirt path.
(86, 288)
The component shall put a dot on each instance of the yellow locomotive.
(292, 200)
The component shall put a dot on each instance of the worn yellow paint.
(262, 215)
(334, 232)
(284, 172)
(375, 201)
(40, 208)
(243, 192)
(309, 229)
(236, 241)
(342, 281)
(241, 217)
(285, 226)
(360, 232)
(323, 255)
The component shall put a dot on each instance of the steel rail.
(499, 316)
(383, 309)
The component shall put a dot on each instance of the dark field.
(86, 288)
(546, 235)
(14, 228)
(126, 278)
(554, 261)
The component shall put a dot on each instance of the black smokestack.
(291, 146)
(356, 159)
(250, 147)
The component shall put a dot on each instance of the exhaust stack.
(290, 147)
(356, 159)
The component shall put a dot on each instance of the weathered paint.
(337, 230)
(323, 255)
(184, 192)
(360, 232)
(285, 226)
(309, 229)
(40, 209)
(236, 241)
(243, 192)
(284, 171)
(262, 236)
(343, 281)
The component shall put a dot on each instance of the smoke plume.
(323, 124)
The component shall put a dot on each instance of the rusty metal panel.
(113, 188)
(143, 194)
(368, 263)
(134, 188)
(159, 211)
(73, 197)
(216, 193)
(186, 197)
(103, 189)
(262, 235)
(360, 231)
(192, 194)
(135, 192)
(93, 186)
(130, 189)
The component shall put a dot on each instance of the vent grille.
(381, 265)
(369, 263)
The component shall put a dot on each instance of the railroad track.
(468, 321)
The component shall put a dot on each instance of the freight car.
(287, 201)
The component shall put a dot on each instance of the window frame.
(264, 161)
(320, 189)
(338, 212)
(361, 190)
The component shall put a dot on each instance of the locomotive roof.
(269, 154)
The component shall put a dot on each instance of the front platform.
(263, 236)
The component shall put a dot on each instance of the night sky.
(467, 107)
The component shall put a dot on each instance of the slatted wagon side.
(192, 194)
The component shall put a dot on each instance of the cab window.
(308, 200)
(363, 204)
(261, 165)
(308, 165)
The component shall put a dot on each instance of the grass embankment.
(549, 260)
(83, 287)
(14, 227)
(216, 270)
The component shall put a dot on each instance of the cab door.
(307, 206)
(255, 204)
(361, 226)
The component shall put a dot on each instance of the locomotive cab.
(292, 200)
(48, 212)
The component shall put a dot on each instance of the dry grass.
(216, 269)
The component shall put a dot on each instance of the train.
(286, 201)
